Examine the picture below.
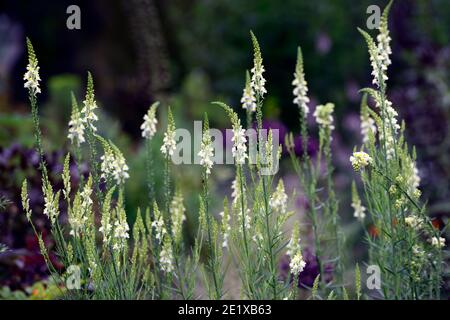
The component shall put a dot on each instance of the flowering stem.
(38, 137)
(213, 257)
(150, 176)
(244, 229)
(272, 267)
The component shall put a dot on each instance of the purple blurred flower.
(323, 43)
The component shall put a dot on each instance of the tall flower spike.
(121, 229)
(206, 150)
(159, 228)
(226, 226)
(413, 177)
(359, 209)
(236, 190)
(148, 127)
(51, 202)
(324, 116)
(297, 263)
(113, 164)
(388, 128)
(368, 126)
(381, 50)
(278, 201)
(239, 149)
(106, 227)
(376, 61)
(384, 39)
(169, 142)
(66, 177)
(300, 85)
(76, 124)
(166, 256)
(31, 76)
(177, 211)
(26, 200)
(248, 99)
(90, 104)
(257, 82)
(81, 209)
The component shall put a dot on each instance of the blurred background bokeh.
(187, 53)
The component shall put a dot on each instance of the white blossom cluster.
(414, 222)
(206, 152)
(82, 206)
(106, 230)
(31, 76)
(166, 257)
(177, 211)
(51, 203)
(359, 209)
(278, 200)
(297, 263)
(226, 228)
(236, 190)
(76, 128)
(159, 227)
(239, 149)
(248, 99)
(379, 55)
(300, 92)
(413, 177)
(257, 82)
(360, 160)
(324, 116)
(148, 127)
(121, 235)
(367, 126)
(88, 113)
(390, 127)
(114, 166)
(169, 142)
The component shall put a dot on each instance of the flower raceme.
(239, 149)
(32, 77)
(248, 99)
(278, 201)
(360, 160)
(148, 127)
(113, 164)
(324, 116)
(76, 125)
(297, 263)
(300, 91)
(169, 142)
(257, 81)
(206, 152)
(359, 209)
(89, 116)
